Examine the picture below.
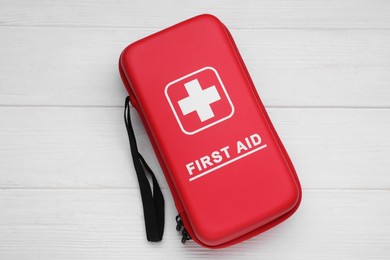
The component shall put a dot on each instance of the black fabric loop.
(153, 203)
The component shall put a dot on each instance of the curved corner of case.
(209, 19)
(296, 197)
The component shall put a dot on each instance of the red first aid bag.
(229, 174)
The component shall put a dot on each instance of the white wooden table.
(67, 185)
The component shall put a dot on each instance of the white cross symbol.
(199, 100)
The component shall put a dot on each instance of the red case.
(229, 174)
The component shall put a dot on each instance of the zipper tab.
(185, 236)
(179, 223)
(180, 228)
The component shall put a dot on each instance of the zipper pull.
(185, 236)
(180, 228)
(179, 223)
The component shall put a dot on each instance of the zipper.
(181, 229)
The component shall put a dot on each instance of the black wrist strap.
(153, 203)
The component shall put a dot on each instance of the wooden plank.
(43, 147)
(299, 68)
(240, 14)
(108, 224)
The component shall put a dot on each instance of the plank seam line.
(167, 189)
(229, 26)
(269, 106)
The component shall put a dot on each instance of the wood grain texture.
(88, 147)
(237, 14)
(300, 68)
(108, 224)
(67, 185)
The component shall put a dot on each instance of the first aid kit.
(228, 172)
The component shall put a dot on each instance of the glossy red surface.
(229, 174)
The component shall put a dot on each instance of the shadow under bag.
(228, 172)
